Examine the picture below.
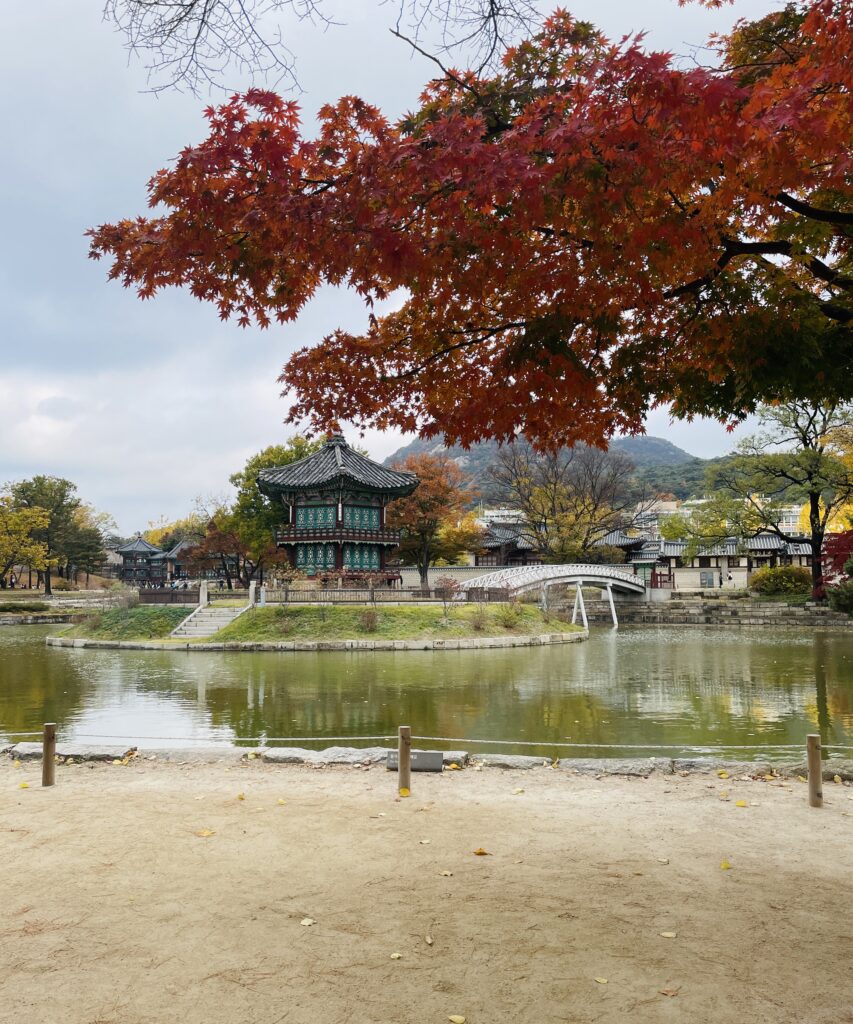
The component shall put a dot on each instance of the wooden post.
(48, 754)
(815, 770)
(404, 760)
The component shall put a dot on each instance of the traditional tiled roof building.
(144, 563)
(334, 505)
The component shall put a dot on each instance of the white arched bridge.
(524, 578)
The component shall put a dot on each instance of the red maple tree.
(593, 231)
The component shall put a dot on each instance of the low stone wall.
(719, 611)
(36, 620)
(471, 643)
(834, 770)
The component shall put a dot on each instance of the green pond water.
(631, 691)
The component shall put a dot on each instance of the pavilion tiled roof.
(335, 464)
(138, 547)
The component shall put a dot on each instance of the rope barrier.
(697, 748)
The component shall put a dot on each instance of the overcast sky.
(147, 405)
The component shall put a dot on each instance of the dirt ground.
(156, 893)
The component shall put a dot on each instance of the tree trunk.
(817, 531)
(47, 591)
(423, 564)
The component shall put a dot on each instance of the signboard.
(421, 761)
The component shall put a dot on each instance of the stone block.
(79, 751)
(637, 767)
(290, 755)
(522, 761)
(713, 764)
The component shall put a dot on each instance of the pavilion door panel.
(361, 517)
(315, 515)
(311, 557)
(361, 557)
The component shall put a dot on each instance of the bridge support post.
(543, 596)
(609, 590)
(579, 606)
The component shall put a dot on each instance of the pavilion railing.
(379, 595)
(355, 534)
(168, 596)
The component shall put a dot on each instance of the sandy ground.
(115, 910)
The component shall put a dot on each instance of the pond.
(639, 690)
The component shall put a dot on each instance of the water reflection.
(638, 687)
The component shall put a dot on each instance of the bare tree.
(196, 44)
(571, 498)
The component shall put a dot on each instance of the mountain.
(661, 465)
(651, 451)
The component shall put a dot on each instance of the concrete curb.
(470, 643)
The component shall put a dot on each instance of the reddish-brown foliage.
(593, 231)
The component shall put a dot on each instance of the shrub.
(508, 615)
(841, 597)
(60, 584)
(369, 620)
(479, 618)
(782, 579)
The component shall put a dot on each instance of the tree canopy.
(591, 231)
(433, 519)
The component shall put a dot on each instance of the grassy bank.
(149, 622)
(23, 607)
(421, 622)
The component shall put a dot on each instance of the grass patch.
(421, 622)
(146, 622)
(23, 606)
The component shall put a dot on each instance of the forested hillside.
(660, 465)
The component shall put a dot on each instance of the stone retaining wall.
(471, 643)
(36, 620)
(719, 612)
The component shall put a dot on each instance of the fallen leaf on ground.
(281, 801)
(725, 866)
(669, 935)
(801, 778)
(669, 991)
(601, 981)
(306, 922)
(724, 794)
(722, 773)
(456, 1018)
(663, 860)
(428, 939)
(241, 796)
(396, 956)
(403, 791)
(23, 785)
(117, 761)
(741, 803)
(446, 874)
(251, 756)
(205, 832)
(480, 852)
(836, 779)
(453, 767)
(424, 842)
(517, 792)
(16, 763)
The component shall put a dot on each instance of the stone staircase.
(205, 622)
